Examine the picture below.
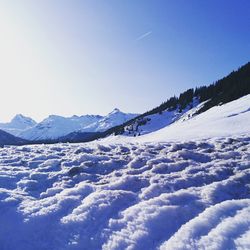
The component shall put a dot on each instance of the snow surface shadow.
(126, 196)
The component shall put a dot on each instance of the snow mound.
(178, 195)
(222, 226)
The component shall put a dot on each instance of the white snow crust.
(134, 196)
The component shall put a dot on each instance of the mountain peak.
(19, 118)
(115, 110)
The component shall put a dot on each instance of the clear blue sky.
(89, 56)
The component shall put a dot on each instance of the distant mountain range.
(55, 127)
(186, 106)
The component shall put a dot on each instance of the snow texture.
(134, 196)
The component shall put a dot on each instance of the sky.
(91, 56)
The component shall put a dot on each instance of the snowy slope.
(18, 124)
(229, 119)
(150, 123)
(224, 120)
(55, 126)
(185, 195)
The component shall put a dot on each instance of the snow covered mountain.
(18, 124)
(55, 126)
(228, 119)
(114, 118)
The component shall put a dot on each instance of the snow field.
(182, 195)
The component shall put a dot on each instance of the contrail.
(143, 36)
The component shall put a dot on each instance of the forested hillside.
(229, 88)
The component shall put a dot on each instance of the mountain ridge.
(54, 126)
